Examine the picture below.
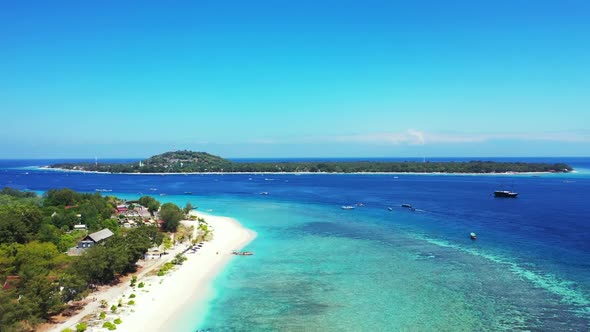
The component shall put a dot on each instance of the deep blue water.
(318, 267)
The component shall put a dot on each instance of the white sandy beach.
(159, 304)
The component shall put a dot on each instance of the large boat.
(505, 193)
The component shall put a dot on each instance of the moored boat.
(473, 236)
(347, 207)
(407, 206)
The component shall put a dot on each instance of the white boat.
(347, 207)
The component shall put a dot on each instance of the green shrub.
(132, 296)
(113, 308)
(81, 327)
(67, 329)
(179, 259)
(141, 284)
(118, 321)
(133, 281)
(110, 326)
(131, 302)
(102, 315)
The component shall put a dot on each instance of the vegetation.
(165, 268)
(188, 161)
(171, 215)
(34, 234)
(133, 281)
(110, 326)
(179, 259)
(150, 203)
(81, 327)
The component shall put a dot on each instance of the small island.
(202, 162)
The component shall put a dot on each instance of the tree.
(171, 215)
(19, 222)
(150, 203)
(188, 208)
(61, 197)
(166, 243)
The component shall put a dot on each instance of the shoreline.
(47, 168)
(164, 299)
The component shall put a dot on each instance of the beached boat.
(242, 253)
(505, 193)
(347, 207)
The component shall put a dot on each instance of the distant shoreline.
(296, 173)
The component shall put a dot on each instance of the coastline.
(164, 299)
(47, 168)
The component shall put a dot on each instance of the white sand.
(159, 304)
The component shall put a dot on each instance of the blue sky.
(295, 78)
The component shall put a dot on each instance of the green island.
(57, 248)
(202, 162)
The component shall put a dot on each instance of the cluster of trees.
(187, 161)
(150, 203)
(34, 234)
(25, 217)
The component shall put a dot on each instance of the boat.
(505, 193)
(389, 209)
(473, 236)
(188, 192)
(242, 253)
(347, 207)
(264, 193)
(360, 204)
(407, 206)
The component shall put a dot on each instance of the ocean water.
(320, 268)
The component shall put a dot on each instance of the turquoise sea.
(320, 268)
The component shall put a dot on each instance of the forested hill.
(201, 162)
